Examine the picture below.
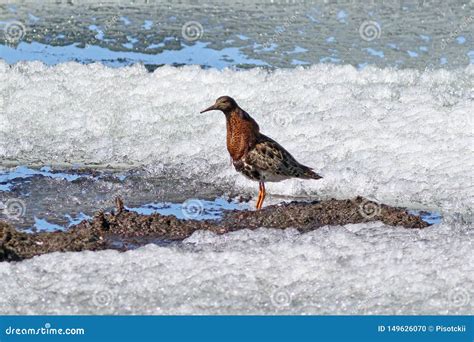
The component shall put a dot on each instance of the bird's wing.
(268, 155)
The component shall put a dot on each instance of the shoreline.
(124, 230)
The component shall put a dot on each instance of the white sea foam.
(354, 269)
(403, 137)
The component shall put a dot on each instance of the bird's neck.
(242, 133)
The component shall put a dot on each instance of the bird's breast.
(240, 137)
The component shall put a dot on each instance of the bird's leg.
(261, 195)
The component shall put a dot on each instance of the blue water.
(54, 200)
(196, 209)
(199, 209)
(198, 53)
(276, 34)
(24, 173)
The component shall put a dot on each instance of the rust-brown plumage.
(241, 134)
(254, 154)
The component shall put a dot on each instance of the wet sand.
(124, 230)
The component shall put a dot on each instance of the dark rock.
(125, 229)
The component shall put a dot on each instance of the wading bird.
(255, 155)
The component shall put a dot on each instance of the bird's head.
(223, 103)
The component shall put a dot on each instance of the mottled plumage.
(255, 155)
(268, 161)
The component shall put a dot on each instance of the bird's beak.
(213, 107)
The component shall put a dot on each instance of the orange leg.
(259, 198)
(261, 195)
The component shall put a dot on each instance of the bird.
(255, 155)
